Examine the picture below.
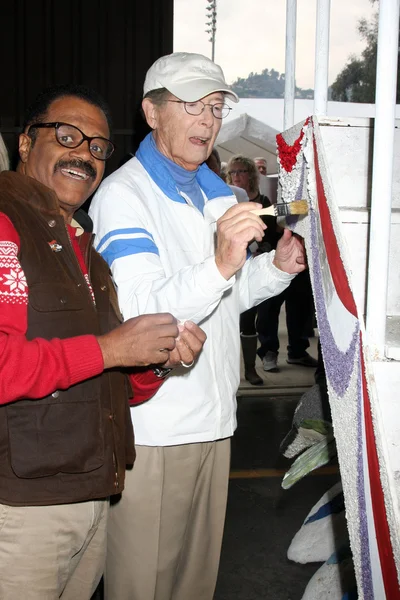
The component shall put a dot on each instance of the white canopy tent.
(249, 136)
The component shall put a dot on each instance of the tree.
(356, 82)
(267, 84)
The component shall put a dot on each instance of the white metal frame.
(382, 174)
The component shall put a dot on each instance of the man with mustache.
(176, 239)
(65, 429)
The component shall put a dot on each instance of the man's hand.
(290, 255)
(188, 345)
(140, 341)
(235, 229)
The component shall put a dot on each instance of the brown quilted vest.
(74, 444)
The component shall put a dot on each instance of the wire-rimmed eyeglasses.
(220, 110)
(71, 137)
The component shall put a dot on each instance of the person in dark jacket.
(65, 429)
(264, 318)
(243, 173)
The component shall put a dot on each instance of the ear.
(150, 111)
(24, 147)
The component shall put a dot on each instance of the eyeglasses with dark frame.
(238, 171)
(70, 136)
(220, 110)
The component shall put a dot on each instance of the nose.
(207, 117)
(82, 151)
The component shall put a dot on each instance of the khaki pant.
(52, 552)
(165, 534)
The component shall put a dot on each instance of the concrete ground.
(290, 377)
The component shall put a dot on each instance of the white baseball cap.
(187, 76)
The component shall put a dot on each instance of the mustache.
(78, 164)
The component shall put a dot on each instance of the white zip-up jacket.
(161, 254)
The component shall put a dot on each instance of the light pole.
(211, 16)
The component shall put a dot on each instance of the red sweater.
(36, 368)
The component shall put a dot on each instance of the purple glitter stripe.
(299, 193)
(366, 572)
(343, 363)
(340, 366)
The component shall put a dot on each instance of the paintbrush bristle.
(298, 207)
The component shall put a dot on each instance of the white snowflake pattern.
(15, 280)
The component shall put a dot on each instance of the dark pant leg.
(268, 324)
(299, 309)
(248, 321)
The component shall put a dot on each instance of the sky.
(251, 35)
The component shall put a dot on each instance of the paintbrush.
(298, 207)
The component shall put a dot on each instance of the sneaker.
(270, 362)
(303, 361)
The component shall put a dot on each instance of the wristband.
(160, 372)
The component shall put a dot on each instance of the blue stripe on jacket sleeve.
(122, 231)
(127, 247)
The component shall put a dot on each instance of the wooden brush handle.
(270, 210)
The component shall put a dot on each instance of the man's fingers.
(196, 330)
(161, 356)
(238, 229)
(239, 208)
(166, 343)
(166, 331)
(191, 341)
(186, 353)
(162, 318)
(242, 217)
(287, 234)
(173, 359)
(180, 354)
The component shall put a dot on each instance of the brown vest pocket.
(57, 437)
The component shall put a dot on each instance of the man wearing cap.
(176, 240)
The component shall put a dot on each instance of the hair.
(215, 154)
(262, 158)
(158, 97)
(223, 170)
(250, 166)
(4, 160)
(37, 111)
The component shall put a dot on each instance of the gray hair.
(158, 97)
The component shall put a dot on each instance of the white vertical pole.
(322, 57)
(290, 63)
(382, 173)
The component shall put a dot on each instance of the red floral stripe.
(288, 154)
(338, 273)
(388, 566)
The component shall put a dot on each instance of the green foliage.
(356, 82)
(315, 457)
(322, 427)
(267, 84)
